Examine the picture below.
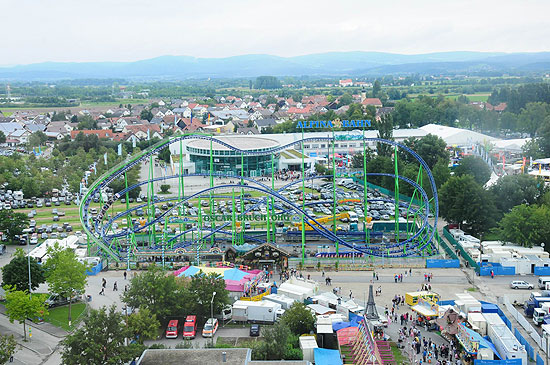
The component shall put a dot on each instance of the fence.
(443, 243)
(542, 271)
(435, 263)
(498, 362)
(530, 350)
(458, 246)
(527, 327)
(95, 270)
(359, 263)
(497, 269)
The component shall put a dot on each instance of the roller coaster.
(180, 228)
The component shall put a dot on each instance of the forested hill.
(322, 64)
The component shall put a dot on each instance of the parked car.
(520, 284)
(56, 300)
(255, 330)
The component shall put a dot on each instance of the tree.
(20, 306)
(65, 275)
(199, 294)
(526, 225)
(142, 325)
(376, 88)
(345, 99)
(16, 273)
(161, 294)
(357, 159)
(100, 340)
(475, 167)
(385, 131)
(164, 188)
(12, 224)
(267, 82)
(273, 346)
(38, 138)
(2, 137)
(8, 347)
(543, 139)
(441, 173)
(146, 114)
(299, 319)
(512, 190)
(430, 147)
(463, 201)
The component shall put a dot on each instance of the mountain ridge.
(354, 63)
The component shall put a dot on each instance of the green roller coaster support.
(181, 188)
(303, 172)
(334, 196)
(272, 188)
(365, 199)
(233, 222)
(396, 196)
(241, 234)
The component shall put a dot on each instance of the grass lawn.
(58, 316)
(399, 357)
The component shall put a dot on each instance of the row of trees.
(64, 273)
(514, 208)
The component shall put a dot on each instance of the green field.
(454, 96)
(59, 316)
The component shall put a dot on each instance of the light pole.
(29, 266)
(212, 315)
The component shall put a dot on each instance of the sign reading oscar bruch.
(333, 124)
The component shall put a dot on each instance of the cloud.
(121, 30)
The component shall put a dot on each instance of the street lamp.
(212, 315)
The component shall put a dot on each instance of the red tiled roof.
(100, 133)
(372, 101)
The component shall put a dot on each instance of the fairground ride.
(190, 221)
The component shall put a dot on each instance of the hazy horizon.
(124, 30)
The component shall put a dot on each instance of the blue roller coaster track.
(100, 232)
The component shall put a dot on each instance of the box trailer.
(308, 344)
(477, 320)
(263, 311)
(283, 300)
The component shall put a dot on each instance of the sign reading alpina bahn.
(337, 123)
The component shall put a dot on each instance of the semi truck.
(540, 313)
(534, 303)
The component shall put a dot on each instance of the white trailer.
(250, 311)
(283, 300)
(308, 344)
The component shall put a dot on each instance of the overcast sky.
(127, 30)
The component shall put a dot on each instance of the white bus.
(543, 280)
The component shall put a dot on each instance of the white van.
(543, 280)
(345, 181)
(353, 217)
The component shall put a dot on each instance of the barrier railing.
(459, 247)
(256, 298)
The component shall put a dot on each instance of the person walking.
(125, 275)
(102, 291)
(103, 282)
(115, 288)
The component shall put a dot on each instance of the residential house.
(184, 112)
(100, 133)
(144, 132)
(188, 125)
(247, 130)
(345, 82)
(262, 124)
(21, 135)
